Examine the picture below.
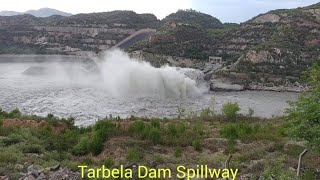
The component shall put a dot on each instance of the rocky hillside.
(270, 49)
(192, 17)
(274, 47)
(78, 34)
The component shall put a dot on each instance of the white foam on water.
(124, 76)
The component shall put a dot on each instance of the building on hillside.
(216, 60)
(136, 54)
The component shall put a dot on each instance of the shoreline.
(73, 58)
(19, 58)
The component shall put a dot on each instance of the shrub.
(137, 128)
(303, 115)
(109, 162)
(275, 168)
(32, 149)
(155, 135)
(198, 130)
(134, 154)
(231, 147)
(96, 144)
(230, 110)
(82, 148)
(181, 128)
(181, 113)
(236, 131)
(250, 112)
(7, 157)
(14, 114)
(172, 130)
(155, 124)
(206, 113)
(50, 116)
(12, 139)
(197, 145)
(229, 132)
(178, 152)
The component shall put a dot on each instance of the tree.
(304, 114)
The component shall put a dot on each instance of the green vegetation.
(178, 152)
(135, 154)
(304, 115)
(206, 138)
(230, 110)
(193, 17)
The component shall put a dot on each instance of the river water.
(65, 89)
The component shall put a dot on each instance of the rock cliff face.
(269, 50)
(79, 34)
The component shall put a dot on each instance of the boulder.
(216, 85)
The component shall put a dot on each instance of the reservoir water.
(66, 88)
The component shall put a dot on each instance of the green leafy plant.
(230, 110)
(303, 116)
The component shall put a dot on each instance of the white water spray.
(124, 76)
(119, 75)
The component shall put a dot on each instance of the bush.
(109, 162)
(178, 152)
(172, 130)
(198, 130)
(137, 128)
(303, 115)
(250, 112)
(8, 157)
(96, 144)
(82, 148)
(229, 132)
(181, 128)
(155, 135)
(231, 147)
(197, 145)
(134, 154)
(14, 114)
(155, 124)
(12, 139)
(230, 110)
(32, 149)
(236, 131)
(206, 113)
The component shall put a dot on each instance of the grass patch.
(135, 154)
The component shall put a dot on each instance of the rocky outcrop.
(272, 18)
(224, 85)
(259, 57)
(35, 172)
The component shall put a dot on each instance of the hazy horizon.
(220, 9)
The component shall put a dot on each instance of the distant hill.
(43, 12)
(77, 34)
(9, 13)
(192, 17)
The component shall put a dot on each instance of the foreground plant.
(304, 115)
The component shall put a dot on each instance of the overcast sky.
(225, 10)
